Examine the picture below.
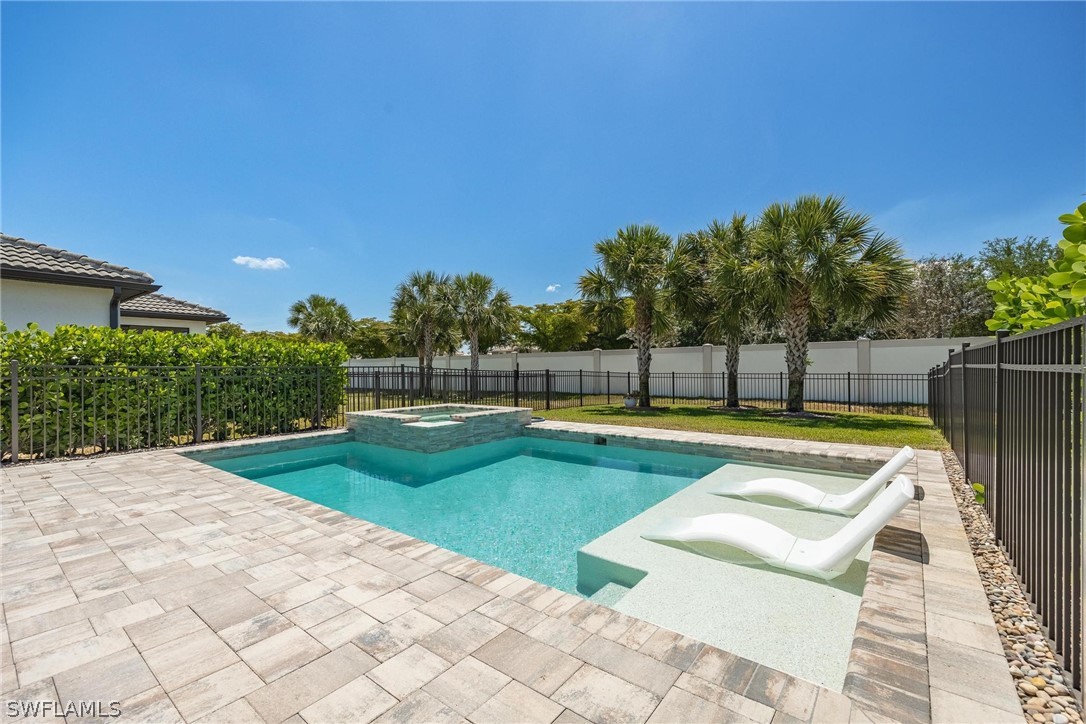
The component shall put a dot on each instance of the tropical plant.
(658, 277)
(815, 254)
(423, 312)
(480, 309)
(1029, 303)
(321, 318)
(732, 304)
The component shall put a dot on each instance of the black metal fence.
(1012, 411)
(381, 387)
(58, 411)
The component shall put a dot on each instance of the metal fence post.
(781, 387)
(965, 415)
(950, 396)
(723, 388)
(580, 375)
(199, 403)
(516, 386)
(848, 375)
(608, 387)
(672, 387)
(320, 417)
(994, 494)
(403, 392)
(377, 389)
(547, 387)
(15, 411)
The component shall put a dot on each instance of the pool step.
(610, 594)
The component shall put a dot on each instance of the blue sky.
(358, 142)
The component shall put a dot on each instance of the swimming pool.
(523, 504)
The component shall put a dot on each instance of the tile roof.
(159, 305)
(19, 255)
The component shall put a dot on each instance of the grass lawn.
(885, 430)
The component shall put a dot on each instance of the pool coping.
(923, 646)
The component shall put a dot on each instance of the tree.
(225, 330)
(1008, 256)
(422, 311)
(480, 309)
(814, 254)
(642, 264)
(372, 339)
(560, 327)
(947, 297)
(733, 303)
(609, 319)
(321, 318)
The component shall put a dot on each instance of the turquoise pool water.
(524, 504)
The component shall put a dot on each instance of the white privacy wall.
(861, 371)
(880, 356)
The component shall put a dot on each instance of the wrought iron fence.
(58, 411)
(382, 387)
(1012, 411)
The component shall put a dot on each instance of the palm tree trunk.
(420, 382)
(731, 347)
(473, 340)
(428, 370)
(796, 319)
(642, 334)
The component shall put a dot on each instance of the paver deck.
(185, 593)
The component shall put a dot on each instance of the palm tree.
(422, 311)
(815, 254)
(480, 310)
(321, 318)
(732, 301)
(640, 263)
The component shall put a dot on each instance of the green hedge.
(90, 389)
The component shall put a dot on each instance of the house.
(51, 287)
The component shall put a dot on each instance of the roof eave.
(129, 288)
(158, 315)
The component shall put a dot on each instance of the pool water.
(524, 504)
(446, 412)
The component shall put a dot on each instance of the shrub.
(1029, 303)
(84, 389)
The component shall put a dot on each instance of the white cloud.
(268, 263)
(553, 287)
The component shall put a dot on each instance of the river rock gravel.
(1043, 687)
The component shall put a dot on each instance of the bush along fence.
(1013, 412)
(382, 387)
(67, 410)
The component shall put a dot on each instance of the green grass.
(845, 427)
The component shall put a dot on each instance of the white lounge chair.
(827, 558)
(808, 496)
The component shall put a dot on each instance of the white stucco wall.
(50, 305)
(192, 325)
(878, 356)
(860, 357)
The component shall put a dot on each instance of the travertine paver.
(189, 594)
